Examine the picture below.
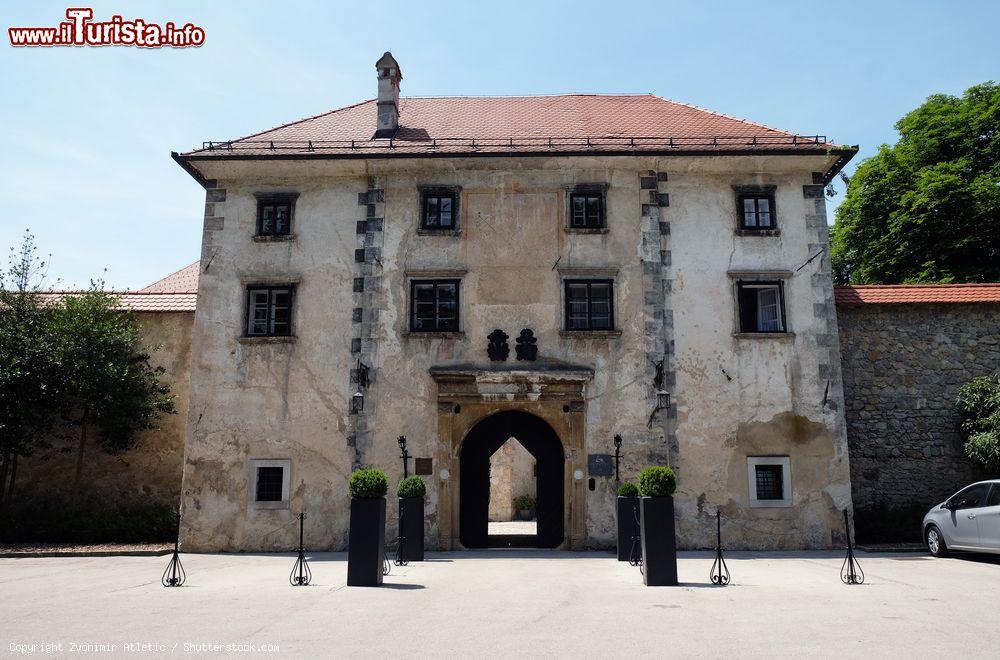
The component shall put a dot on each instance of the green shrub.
(628, 489)
(58, 521)
(524, 502)
(411, 487)
(885, 524)
(979, 405)
(657, 481)
(368, 483)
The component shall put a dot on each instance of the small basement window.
(274, 214)
(590, 305)
(434, 305)
(586, 210)
(756, 211)
(439, 209)
(761, 306)
(770, 481)
(269, 483)
(269, 310)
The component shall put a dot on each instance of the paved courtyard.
(508, 603)
(515, 527)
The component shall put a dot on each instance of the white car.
(968, 520)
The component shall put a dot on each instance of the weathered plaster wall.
(741, 396)
(903, 365)
(733, 396)
(511, 475)
(151, 472)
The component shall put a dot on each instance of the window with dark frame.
(270, 483)
(770, 482)
(269, 310)
(756, 211)
(761, 306)
(274, 215)
(586, 210)
(439, 209)
(970, 498)
(590, 305)
(994, 496)
(434, 305)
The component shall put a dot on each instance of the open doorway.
(512, 491)
(482, 442)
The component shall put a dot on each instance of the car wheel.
(935, 541)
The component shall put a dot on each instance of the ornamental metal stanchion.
(635, 552)
(400, 559)
(301, 574)
(174, 575)
(720, 572)
(850, 572)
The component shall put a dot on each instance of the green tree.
(927, 209)
(979, 405)
(110, 388)
(30, 378)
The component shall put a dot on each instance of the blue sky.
(86, 163)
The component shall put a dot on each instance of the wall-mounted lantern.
(357, 402)
(662, 399)
(403, 454)
(363, 370)
(618, 455)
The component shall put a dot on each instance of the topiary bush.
(368, 483)
(628, 489)
(411, 487)
(657, 481)
(524, 502)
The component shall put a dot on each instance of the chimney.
(389, 76)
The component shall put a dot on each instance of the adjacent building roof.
(177, 292)
(159, 302)
(183, 281)
(572, 124)
(899, 294)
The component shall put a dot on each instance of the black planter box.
(659, 541)
(366, 549)
(411, 527)
(628, 513)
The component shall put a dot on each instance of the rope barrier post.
(635, 553)
(850, 571)
(720, 572)
(174, 575)
(301, 574)
(400, 559)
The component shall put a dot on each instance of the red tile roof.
(138, 301)
(177, 292)
(511, 125)
(183, 281)
(897, 294)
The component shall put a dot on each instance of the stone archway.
(552, 392)
(474, 474)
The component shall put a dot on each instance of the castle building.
(556, 269)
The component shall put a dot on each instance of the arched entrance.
(479, 444)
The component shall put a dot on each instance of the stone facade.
(674, 264)
(511, 475)
(903, 365)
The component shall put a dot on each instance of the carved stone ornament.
(498, 350)
(526, 349)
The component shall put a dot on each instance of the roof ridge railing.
(586, 142)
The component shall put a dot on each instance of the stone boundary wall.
(902, 367)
